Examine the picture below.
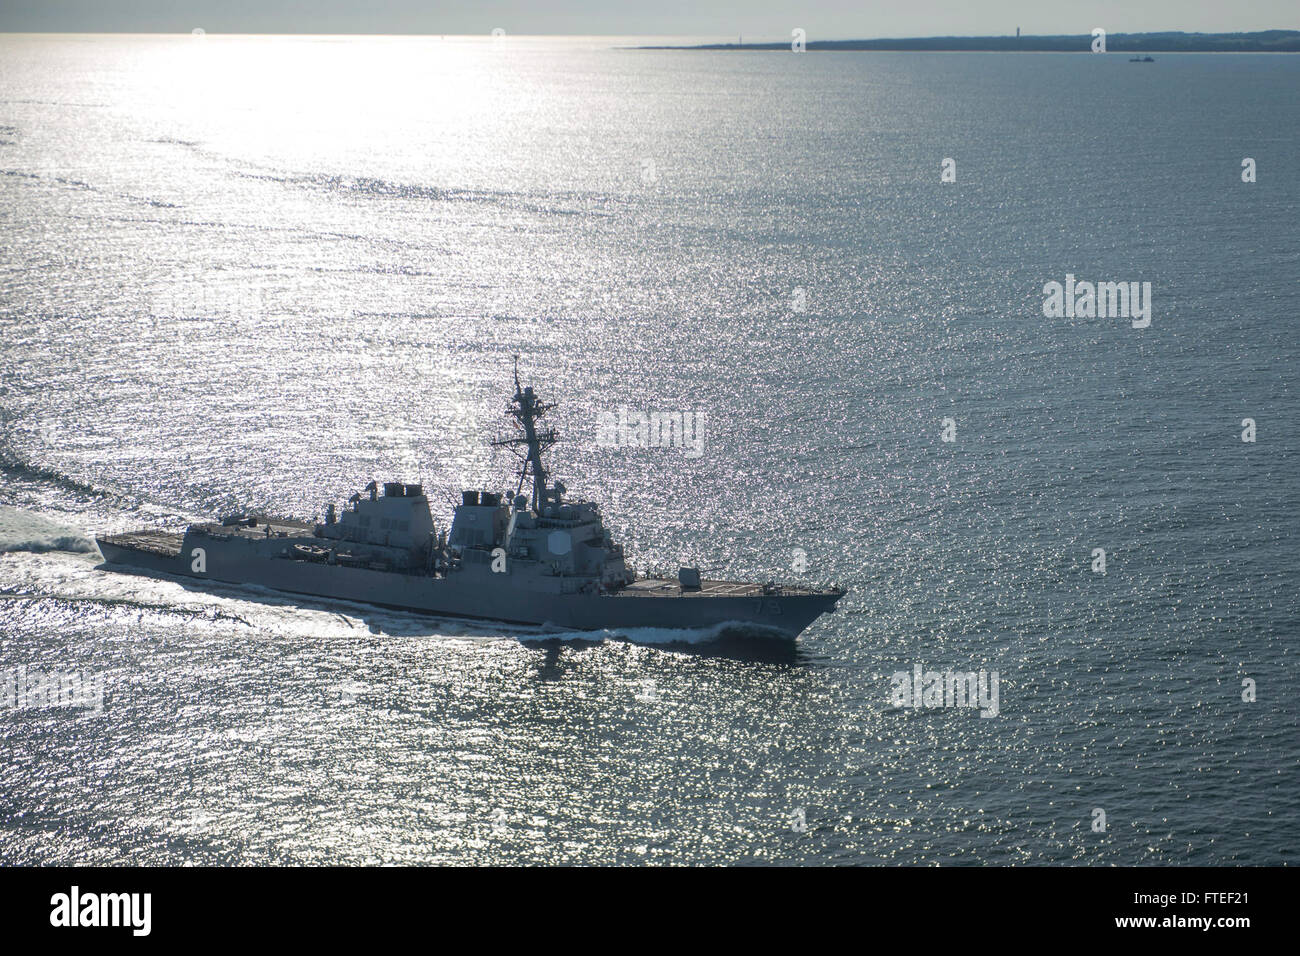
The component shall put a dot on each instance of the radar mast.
(526, 409)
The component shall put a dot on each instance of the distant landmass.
(1264, 41)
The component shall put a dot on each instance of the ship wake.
(23, 531)
(727, 632)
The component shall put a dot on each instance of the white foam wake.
(24, 531)
(661, 635)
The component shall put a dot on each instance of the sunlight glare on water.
(255, 273)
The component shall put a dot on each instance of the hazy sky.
(824, 19)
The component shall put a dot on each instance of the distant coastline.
(1264, 41)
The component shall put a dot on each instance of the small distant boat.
(1142, 59)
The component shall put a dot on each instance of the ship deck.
(279, 527)
(168, 543)
(165, 543)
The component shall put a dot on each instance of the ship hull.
(488, 597)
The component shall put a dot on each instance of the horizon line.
(757, 39)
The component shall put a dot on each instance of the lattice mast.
(526, 409)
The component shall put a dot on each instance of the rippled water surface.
(256, 273)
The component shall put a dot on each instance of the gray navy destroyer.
(537, 559)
